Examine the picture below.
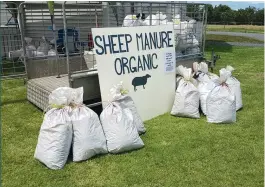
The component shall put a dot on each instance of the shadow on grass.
(218, 46)
(13, 102)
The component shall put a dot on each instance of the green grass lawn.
(236, 28)
(178, 151)
(222, 38)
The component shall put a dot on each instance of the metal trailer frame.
(69, 68)
(11, 63)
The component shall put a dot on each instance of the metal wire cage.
(63, 56)
(11, 46)
(188, 21)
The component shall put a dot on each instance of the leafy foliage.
(224, 14)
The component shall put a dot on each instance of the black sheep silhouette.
(140, 81)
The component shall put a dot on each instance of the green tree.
(210, 13)
(259, 16)
(250, 13)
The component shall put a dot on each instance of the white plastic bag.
(30, 50)
(193, 50)
(204, 88)
(158, 19)
(55, 135)
(161, 19)
(51, 52)
(125, 101)
(185, 41)
(234, 85)
(129, 20)
(119, 128)
(147, 20)
(44, 47)
(202, 73)
(186, 103)
(88, 136)
(221, 102)
(205, 82)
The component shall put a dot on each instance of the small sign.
(137, 56)
(170, 62)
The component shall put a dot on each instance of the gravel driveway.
(250, 35)
(235, 44)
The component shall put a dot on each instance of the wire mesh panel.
(74, 21)
(11, 47)
(188, 21)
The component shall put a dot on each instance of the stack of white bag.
(184, 41)
(221, 101)
(69, 120)
(121, 123)
(205, 82)
(158, 19)
(133, 21)
(186, 103)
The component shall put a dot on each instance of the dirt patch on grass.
(260, 75)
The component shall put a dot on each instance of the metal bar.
(21, 26)
(204, 28)
(94, 104)
(66, 45)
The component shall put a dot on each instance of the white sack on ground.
(205, 82)
(221, 102)
(205, 87)
(126, 101)
(202, 73)
(186, 103)
(119, 128)
(88, 136)
(234, 85)
(55, 135)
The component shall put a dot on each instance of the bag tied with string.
(88, 136)
(119, 124)
(201, 72)
(120, 95)
(186, 103)
(205, 81)
(55, 135)
(221, 101)
(234, 85)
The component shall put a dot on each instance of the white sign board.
(143, 58)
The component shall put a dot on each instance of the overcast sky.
(235, 5)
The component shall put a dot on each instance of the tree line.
(223, 14)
